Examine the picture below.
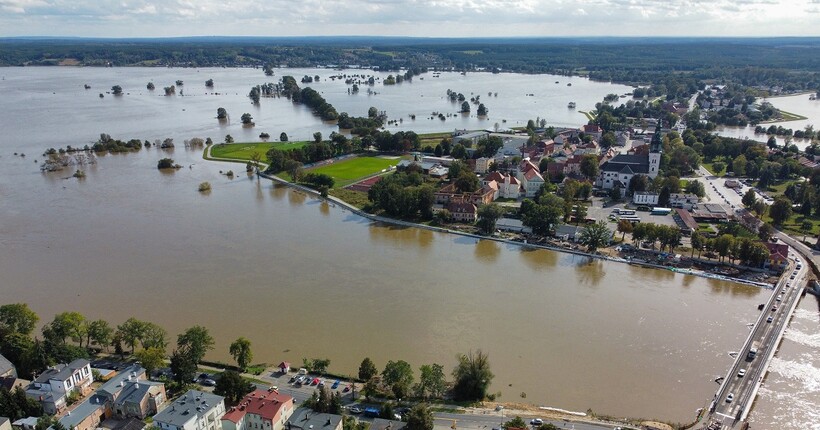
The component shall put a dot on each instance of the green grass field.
(348, 171)
(244, 151)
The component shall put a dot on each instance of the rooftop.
(88, 407)
(118, 381)
(62, 372)
(191, 405)
(5, 365)
(304, 418)
(265, 403)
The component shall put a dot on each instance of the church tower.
(655, 150)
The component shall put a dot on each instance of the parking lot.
(600, 212)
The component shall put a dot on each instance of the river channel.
(301, 278)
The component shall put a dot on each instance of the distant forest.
(791, 63)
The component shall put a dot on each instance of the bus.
(623, 211)
(661, 211)
(631, 218)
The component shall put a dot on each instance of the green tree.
(247, 119)
(431, 381)
(718, 167)
(697, 242)
(399, 376)
(367, 369)
(195, 342)
(241, 352)
(154, 336)
(467, 182)
(696, 187)
(420, 417)
(805, 227)
(624, 227)
(516, 422)
(283, 137)
(228, 138)
(117, 90)
(488, 215)
(100, 333)
(17, 318)
(595, 236)
(183, 366)
(232, 386)
(131, 331)
(780, 210)
(482, 110)
(749, 198)
(724, 245)
(465, 107)
(221, 113)
(472, 376)
(320, 365)
(459, 152)
(760, 208)
(68, 324)
(579, 212)
(739, 165)
(151, 359)
(589, 166)
(317, 137)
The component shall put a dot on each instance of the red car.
(315, 381)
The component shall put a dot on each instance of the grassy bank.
(351, 170)
(245, 150)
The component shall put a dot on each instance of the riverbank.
(523, 244)
(345, 206)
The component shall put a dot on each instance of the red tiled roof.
(460, 207)
(532, 174)
(266, 404)
(494, 176)
(779, 250)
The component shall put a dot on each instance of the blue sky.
(420, 18)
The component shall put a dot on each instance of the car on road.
(208, 382)
(778, 298)
(537, 421)
(355, 410)
(741, 373)
(769, 319)
(774, 308)
(730, 397)
(335, 384)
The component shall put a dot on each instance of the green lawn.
(244, 151)
(780, 188)
(711, 168)
(793, 224)
(355, 198)
(348, 171)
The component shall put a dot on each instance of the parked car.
(315, 381)
(347, 388)
(208, 382)
(335, 384)
(294, 378)
(730, 397)
(355, 410)
(537, 421)
(321, 383)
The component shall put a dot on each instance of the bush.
(165, 163)
(204, 186)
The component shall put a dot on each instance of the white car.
(537, 422)
(741, 373)
(730, 397)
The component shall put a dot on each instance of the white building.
(684, 201)
(195, 410)
(618, 171)
(482, 165)
(645, 198)
(530, 178)
(53, 385)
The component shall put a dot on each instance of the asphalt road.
(764, 333)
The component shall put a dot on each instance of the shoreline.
(386, 220)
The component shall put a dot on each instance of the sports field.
(348, 171)
(244, 151)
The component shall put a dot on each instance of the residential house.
(115, 384)
(383, 424)
(482, 165)
(29, 423)
(53, 385)
(530, 178)
(260, 410)
(462, 211)
(486, 194)
(778, 255)
(87, 415)
(306, 419)
(682, 200)
(508, 186)
(645, 198)
(555, 171)
(621, 138)
(140, 399)
(573, 165)
(7, 370)
(593, 130)
(568, 232)
(5, 423)
(195, 410)
(284, 367)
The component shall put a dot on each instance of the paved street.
(737, 393)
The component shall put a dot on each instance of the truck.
(753, 350)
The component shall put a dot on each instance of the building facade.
(195, 410)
